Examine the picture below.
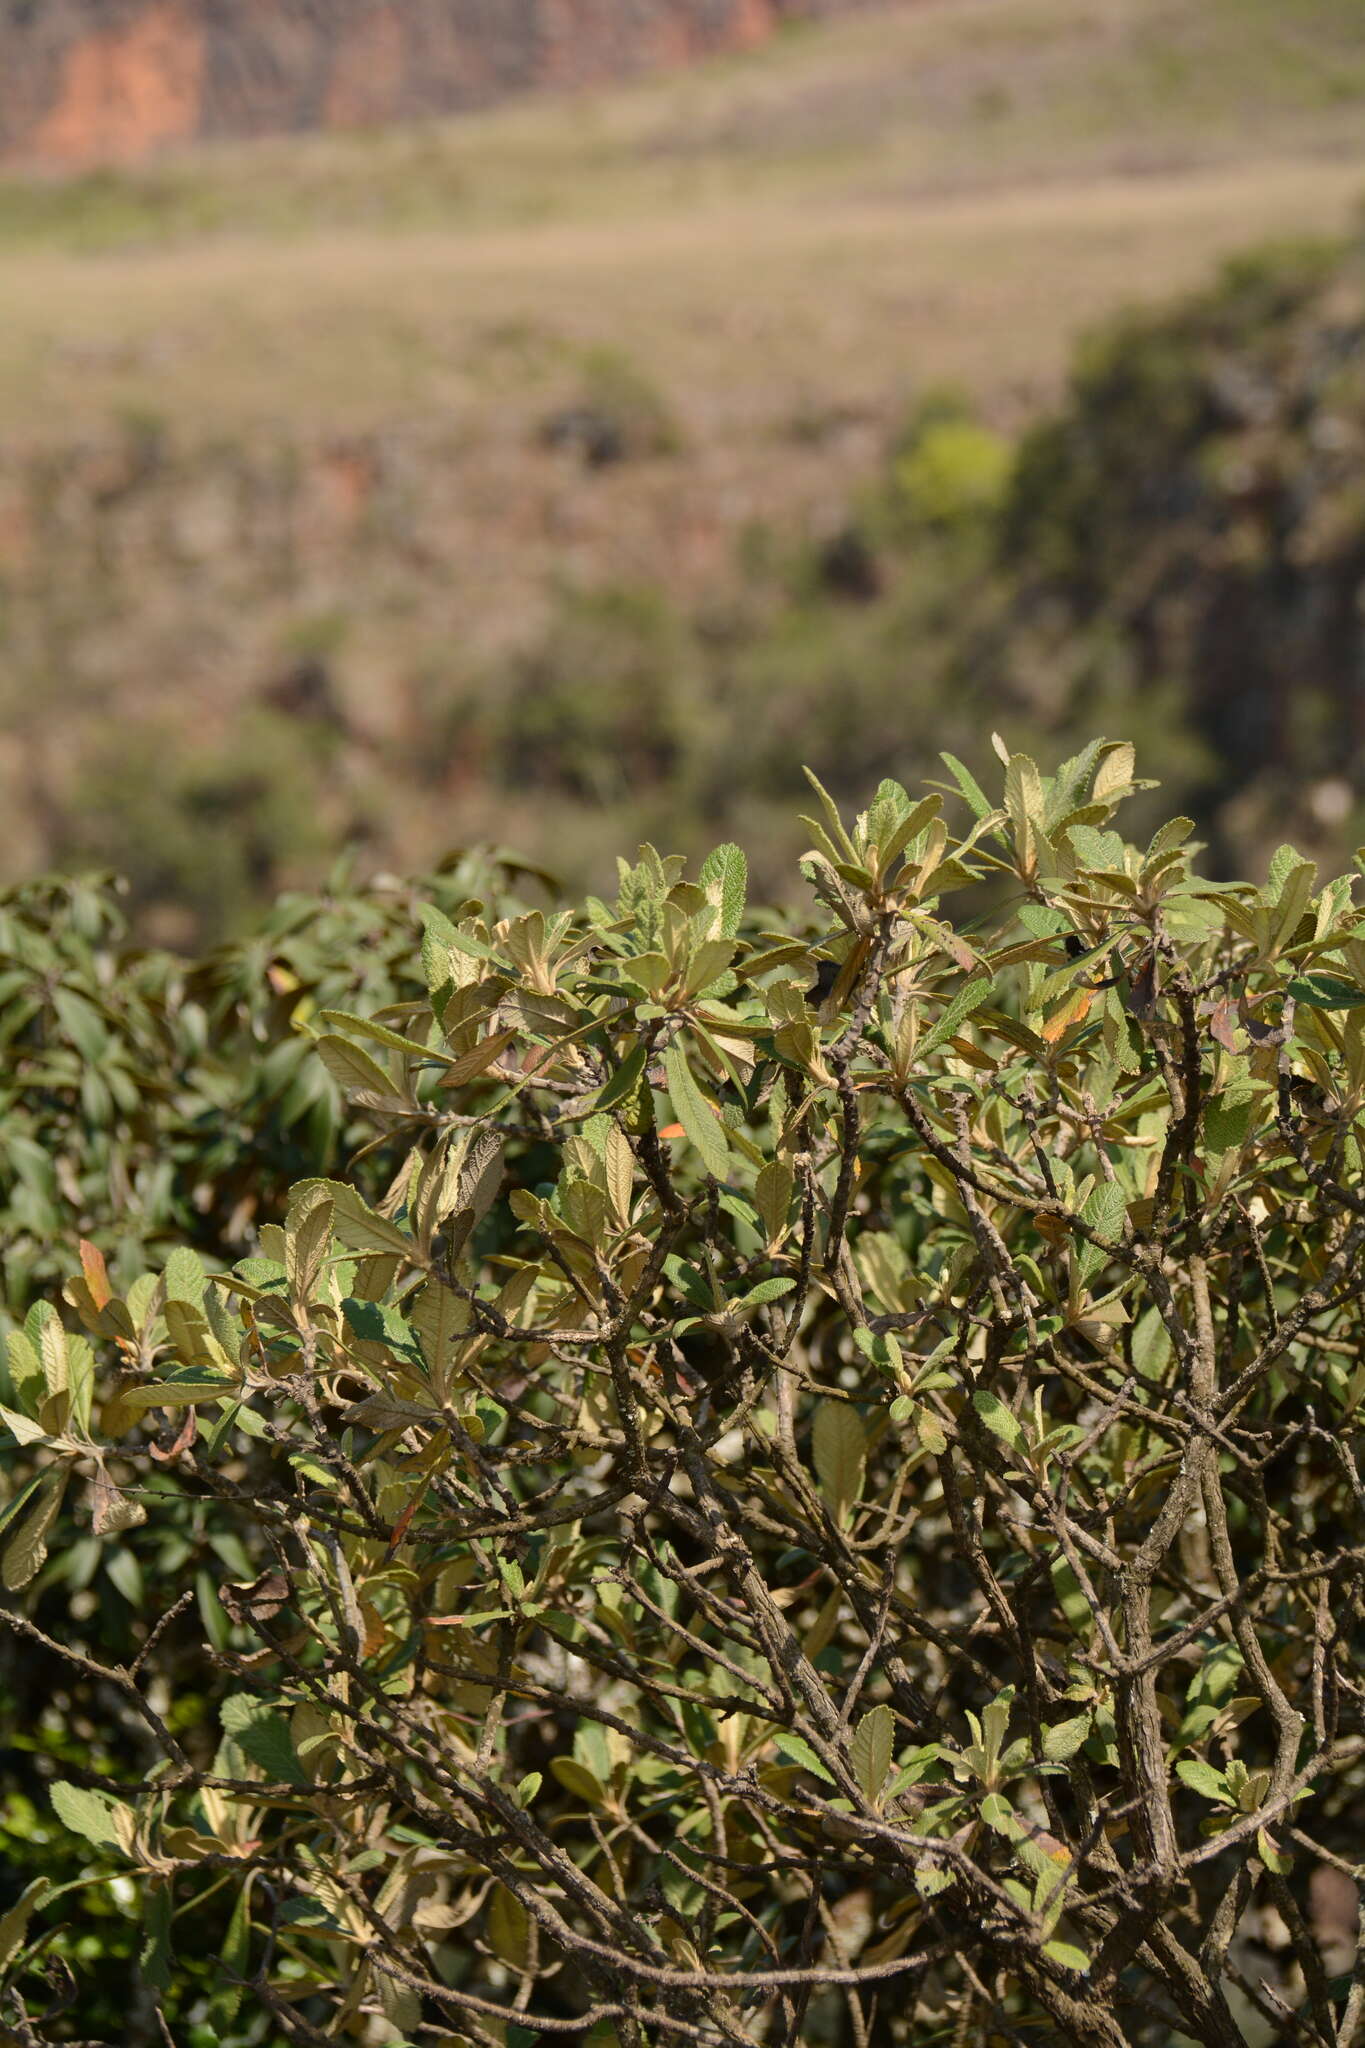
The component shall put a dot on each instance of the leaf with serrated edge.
(838, 1451)
(26, 1551)
(871, 1749)
(98, 1816)
(695, 1114)
(1064, 1738)
(996, 1416)
(799, 1751)
(308, 1232)
(725, 878)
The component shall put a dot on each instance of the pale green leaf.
(773, 1198)
(870, 1751)
(725, 880)
(1204, 1779)
(355, 1073)
(26, 1550)
(996, 1416)
(22, 1427)
(183, 1276)
(14, 1922)
(1067, 1956)
(968, 999)
(509, 1926)
(101, 1818)
(799, 1751)
(695, 1114)
(1064, 1738)
(838, 1451)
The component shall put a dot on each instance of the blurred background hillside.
(570, 471)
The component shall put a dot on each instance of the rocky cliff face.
(90, 81)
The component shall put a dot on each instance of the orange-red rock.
(92, 81)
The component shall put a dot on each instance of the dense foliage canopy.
(819, 1502)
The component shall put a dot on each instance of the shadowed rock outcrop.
(91, 81)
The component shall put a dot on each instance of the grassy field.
(951, 188)
(275, 401)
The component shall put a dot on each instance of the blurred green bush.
(1176, 550)
(148, 1101)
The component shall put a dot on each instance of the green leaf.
(23, 1429)
(15, 1505)
(725, 879)
(1151, 1344)
(800, 1752)
(1064, 1738)
(766, 1290)
(308, 1233)
(1291, 882)
(361, 1229)
(440, 1319)
(1000, 1816)
(909, 828)
(773, 1198)
(236, 1961)
(155, 1957)
(183, 1277)
(126, 1574)
(25, 1369)
(871, 1749)
(509, 1926)
(180, 1390)
(1326, 992)
(579, 1780)
(380, 1034)
(83, 1025)
(1227, 1119)
(695, 1114)
(930, 1432)
(14, 1922)
(26, 1551)
(839, 837)
(1024, 800)
(968, 999)
(101, 1818)
(838, 1451)
(1067, 1956)
(354, 1072)
(51, 1338)
(1105, 1209)
(1204, 1779)
(624, 1081)
(261, 1732)
(80, 1358)
(1278, 1861)
(997, 1417)
(1070, 1597)
(967, 783)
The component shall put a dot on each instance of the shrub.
(619, 415)
(1195, 503)
(821, 1503)
(952, 470)
(150, 1101)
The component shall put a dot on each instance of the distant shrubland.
(1178, 547)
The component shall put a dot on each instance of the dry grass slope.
(949, 188)
(787, 249)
